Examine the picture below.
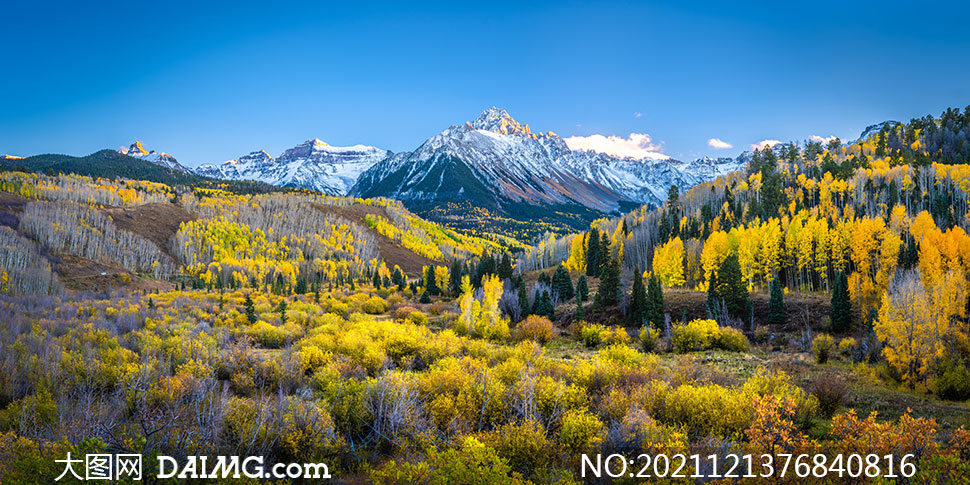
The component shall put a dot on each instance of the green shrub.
(954, 380)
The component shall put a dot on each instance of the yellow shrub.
(696, 335)
(732, 339)
(708, 409)
(847, 345)
(581, 432)
(535, 328)
(822, 346)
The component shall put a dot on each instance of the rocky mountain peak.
(498, 120)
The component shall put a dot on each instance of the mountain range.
(312, 164)
(493, 162)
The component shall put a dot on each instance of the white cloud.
(719, 144)
(823, 139)
(761, 144)
(637, 145)
(637, 114)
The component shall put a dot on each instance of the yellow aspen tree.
(716, 250)
(915, 321)
(577, 254)
(668, 263)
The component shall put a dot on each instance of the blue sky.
(211, 82)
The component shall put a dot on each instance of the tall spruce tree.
(637, 311)
(281, 309)
(454, 281)
(776, 304)
(732, 288)
(841, 309)
(377, 279)
(431, 286)
(505, 267)
(609, 291)
(399, 279)
(562, 284)
(582, 288)
(592, 252)
(605, 258)
(250, 309)
(545, 307)
(655, 303)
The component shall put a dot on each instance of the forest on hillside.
(815, 304)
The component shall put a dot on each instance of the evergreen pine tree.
(776, 304)
(377, 279)
(151, 303)
(841, 310)
(713, 298)
(281, 309)
(592, 252)
(562, 284)
(637, 310)
(301, 286)
(431, 286)
(655, 303)
(582, 288)
(505, 267)
(605, 258)
(454, 278)
(250, 309)
(399, 279)
(732, 288)
(486, 266)
(545, 306)
(580, 311)
(425, 297)
(609, 291)
(545, 279)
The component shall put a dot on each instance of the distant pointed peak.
(498, 120)
(136, 148)
(316, 142)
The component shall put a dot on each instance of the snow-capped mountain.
(312, 164)
(158, 158)
(491, 161)
(495, 160)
